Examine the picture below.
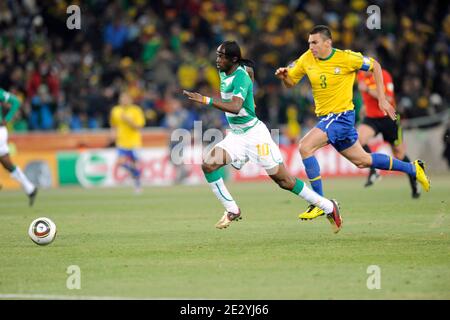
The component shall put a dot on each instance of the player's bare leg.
(211, 167)
(399, 152)
(358, 156)
(280, 176)
(136, 176)
(365, 133)
(313, 141)
(6, 162)
(17, 174)
(131, 166)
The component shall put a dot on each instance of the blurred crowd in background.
(70, 79)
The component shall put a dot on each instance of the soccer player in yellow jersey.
(332, 74)
(128, 119)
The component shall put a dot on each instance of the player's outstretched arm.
(282, 74)
(14, 102)
(234, 106)
(383, 103)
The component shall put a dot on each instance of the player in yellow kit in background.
(127, 120)
(332, 74)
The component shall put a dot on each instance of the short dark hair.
(323, 30)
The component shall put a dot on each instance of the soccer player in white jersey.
(16, 173)
(249, 140)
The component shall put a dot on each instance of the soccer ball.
(42, 231)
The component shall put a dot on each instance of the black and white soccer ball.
(42, 231)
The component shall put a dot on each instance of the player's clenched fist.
(281, 73)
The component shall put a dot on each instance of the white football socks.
(221, 192)
(316, 199)
(19, 176)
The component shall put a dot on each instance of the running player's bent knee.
(305, 150)
(362, 163)
(285, 183)
(208, 167)
(7, 164)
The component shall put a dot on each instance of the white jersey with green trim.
(239, 84)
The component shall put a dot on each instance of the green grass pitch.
(163, 244)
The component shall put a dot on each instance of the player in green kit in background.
(16, 173)
(249, 140)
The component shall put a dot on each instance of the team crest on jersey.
(337, 70)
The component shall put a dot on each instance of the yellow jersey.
(127, 136)
(331, 78)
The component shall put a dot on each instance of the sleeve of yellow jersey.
(114, 116)
(296, 70)
(356, 61)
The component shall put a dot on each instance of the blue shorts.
(340, 129)
(129, 153)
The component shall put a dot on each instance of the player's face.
(125, 99)
(319, 46)
(223, 63)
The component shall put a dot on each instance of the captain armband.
(366, 64)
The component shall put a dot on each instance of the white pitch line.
(68, 297)
(438, 221)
